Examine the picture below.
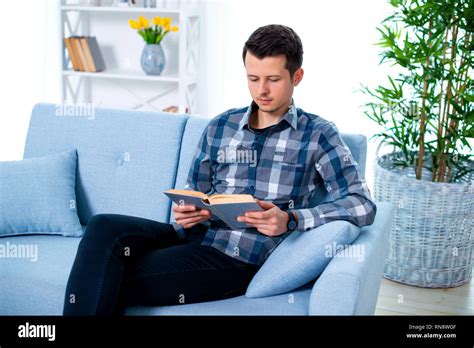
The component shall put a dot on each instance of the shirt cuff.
(180, 230)
(307, 219)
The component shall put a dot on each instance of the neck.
(263, 119)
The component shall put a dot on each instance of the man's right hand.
(188, 215)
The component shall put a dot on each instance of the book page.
(226, 198)
(188, 193)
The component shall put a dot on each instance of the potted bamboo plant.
(426, 115)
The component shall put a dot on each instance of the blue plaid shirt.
(283, 164)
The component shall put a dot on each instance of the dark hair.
(273, 40)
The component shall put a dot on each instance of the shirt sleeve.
(351, 200)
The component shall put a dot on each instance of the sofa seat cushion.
(293, 303)
(36, 286)
(37, 276)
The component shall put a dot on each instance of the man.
(199, 258)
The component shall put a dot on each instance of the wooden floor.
(400, 299)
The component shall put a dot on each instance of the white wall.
(339, 53)
(29, 68)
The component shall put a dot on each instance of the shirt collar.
(291, 116)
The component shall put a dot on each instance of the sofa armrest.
(350, 283)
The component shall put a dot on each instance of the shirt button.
(119, 161)
(251, 190)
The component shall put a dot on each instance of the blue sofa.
(126, 159)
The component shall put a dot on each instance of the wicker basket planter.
(432, 235)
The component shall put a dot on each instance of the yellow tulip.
(167, 20)
(157, 21)
(134, 24)
(144, 22)
(175, 29)
(167, 27)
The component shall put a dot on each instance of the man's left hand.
(272, 222)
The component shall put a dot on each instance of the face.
(270, 83)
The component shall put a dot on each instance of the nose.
(263, 88)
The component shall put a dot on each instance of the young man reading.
(199, 258)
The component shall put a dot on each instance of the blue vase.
(153, 59)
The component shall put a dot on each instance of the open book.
(226, 207)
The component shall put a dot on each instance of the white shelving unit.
(181, 79)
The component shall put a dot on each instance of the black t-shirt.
(261, 130)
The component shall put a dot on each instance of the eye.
(275, 80)
(253, 80)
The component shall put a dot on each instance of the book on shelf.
(72, 54)
(93, 50)
(83, 45)
(175, 109)
(227, 207)
(171, 108)
(84, 53)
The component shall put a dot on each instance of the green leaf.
(469, 116)
(456, 106)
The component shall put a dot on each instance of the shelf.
(122, 75)
(127, 75)
(122, 9)
(84, 20)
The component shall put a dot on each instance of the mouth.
(264, 101)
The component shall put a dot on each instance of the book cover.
(87, 55)
(227, 207)
(72, 55)
(77, 49)
(94, 49)
(82, 53)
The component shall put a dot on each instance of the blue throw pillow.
(300, 258)
(37, 196)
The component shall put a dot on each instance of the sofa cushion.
(127, 158)
(300, 258)
(351, 288)
(37, 195)
(38, 277)
(195, 127)
(357, 144)
(37, 286)
(294, 303)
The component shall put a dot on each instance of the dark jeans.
(124, 261)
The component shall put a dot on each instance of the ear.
(298, 76)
